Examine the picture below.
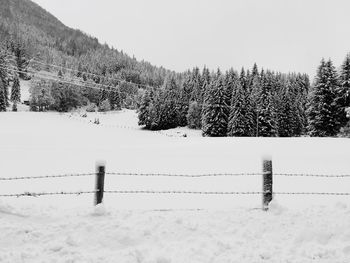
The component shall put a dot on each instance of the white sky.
(283, 35)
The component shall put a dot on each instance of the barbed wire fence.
(267, 189)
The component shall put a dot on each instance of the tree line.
(252, 102)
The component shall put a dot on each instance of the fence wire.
(136, 174)
(34, 194)
(312, 175)
(179, 192)
(38, 194)
(181, 175)
(44, 176)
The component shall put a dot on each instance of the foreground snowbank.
(317, 234)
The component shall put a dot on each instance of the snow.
(166, 228)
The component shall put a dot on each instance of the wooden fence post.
(100, 181)
(267, 183)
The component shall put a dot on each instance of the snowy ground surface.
(166, 228)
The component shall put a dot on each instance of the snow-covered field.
(166, 228)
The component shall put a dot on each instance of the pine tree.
(285, 113)
(197, 86)
(115, 99)
(343, 90)
(240, 114)
(230, 81)
(323, 111)
(4, 78)
(266, 126)
(215, 109)
(103, 95)
(2, 97)
(144, 110)
(194, 115)
(168, 117)
(186, 92)
(21, 61)
(16, 91)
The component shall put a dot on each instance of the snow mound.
(275, 208)
(99, 210)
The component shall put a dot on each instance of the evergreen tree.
(115, 99)
(240, 115)
(194, 115)
(323, 110)
(183, 107)
(16, 91)
(186, 93)
(215, 110)
(2, 98)
(266, 126)
(230, 80)
(21, 61)
(285, 114)
(168, 115)
(4, 78)
(103, 95)
(197, 86)
(343, 90)
(144, 110)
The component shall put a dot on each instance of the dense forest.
(252, 102)
(69, 69)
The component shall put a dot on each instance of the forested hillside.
(30, 32)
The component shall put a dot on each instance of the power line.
(83, 72)
(47, 77)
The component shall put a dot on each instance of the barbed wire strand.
(221, 193)
(38, 194)
(181, 175)
(45, 176)
(34, 194)
(313, 175)
(179, 192)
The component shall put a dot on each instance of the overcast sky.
(283, 35)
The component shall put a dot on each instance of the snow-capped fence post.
(100, 181)
(267, 183)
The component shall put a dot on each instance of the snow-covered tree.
(240, 114)
(115, 99)
(144, 110)
(194, 115)
(344, 90)
(2, 97)
(215, 108)
(4, 77)
(266, 126)
(103, 95)
(323, 110)
(16, 91)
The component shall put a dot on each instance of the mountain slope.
(24, 23)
